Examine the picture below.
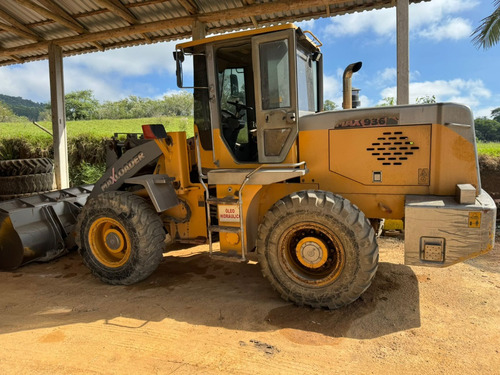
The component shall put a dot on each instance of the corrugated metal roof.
(28, 26)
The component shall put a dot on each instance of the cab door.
(275, 83)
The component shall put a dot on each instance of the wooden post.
(403, 49)
(58, 116)
(199, 30)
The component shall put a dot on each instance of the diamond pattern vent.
(393, 148)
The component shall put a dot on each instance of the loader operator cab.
(251, 88)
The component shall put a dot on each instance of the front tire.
(120, 237)
(317, 249)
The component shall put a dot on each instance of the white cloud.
(484, 112)
(131, 61)
(105, 73)
(30, 80)
(306, 25)
(433, 12)
(431, 20)
(382, 78)
(454, 29)
(469, 92)
(365, 101)
(332, 88)
(382, 22)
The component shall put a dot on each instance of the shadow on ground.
(196, 290)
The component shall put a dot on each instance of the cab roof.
(240, 34)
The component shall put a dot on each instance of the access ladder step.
(228, 257)
(218, 228)
(226, 200)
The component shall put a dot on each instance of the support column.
(199, 30)
(403, 51)
(60, 140)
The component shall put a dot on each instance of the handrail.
(314, 36)
(207, 192)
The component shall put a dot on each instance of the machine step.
(226, 200)
(218, 228)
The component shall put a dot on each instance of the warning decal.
(474, 219)
(229, 213)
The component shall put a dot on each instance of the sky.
(443, 60)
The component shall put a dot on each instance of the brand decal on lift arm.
(116, 175)
(369, 122)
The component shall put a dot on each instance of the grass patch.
(86, 141)
(488, 148)
(96, 128)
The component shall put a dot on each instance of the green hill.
(23, 107)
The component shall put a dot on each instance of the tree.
(496, 114)
(329, 105)
(6, 113)
(178, 104)
(81, 105)
(488, 32)
(390, 100)
(426, 99)
(487, 130)
(387, 101)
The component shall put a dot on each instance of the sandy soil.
(195, 315)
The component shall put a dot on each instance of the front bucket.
(39, 227)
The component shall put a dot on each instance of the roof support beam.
(199, 30)
(18, 31)
(119, 9)
(58, 14)
(403, 52)
(252, 18)
(58, 116)
(19, 26)
(116, 7)
(72, 25)
(92, 37)
(189, 6)
(56, 9)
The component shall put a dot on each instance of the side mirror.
(316, 56)
(235, 91)
(179, 58)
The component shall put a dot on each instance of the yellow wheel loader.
(275, 179)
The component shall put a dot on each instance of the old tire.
(21, 167)
(32, 183)
(317, 249)
(120, 237)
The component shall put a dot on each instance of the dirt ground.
(195, 315)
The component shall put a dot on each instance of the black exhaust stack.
(347, 83)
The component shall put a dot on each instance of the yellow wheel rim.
(311, 252)
(109, 242)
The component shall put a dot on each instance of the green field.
(488, 148)
(95, 128)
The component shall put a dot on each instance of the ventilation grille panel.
(393, 148)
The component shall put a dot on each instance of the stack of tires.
(24, 177)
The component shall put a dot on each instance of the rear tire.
(21, 167)
(317, 249)
(31, 183)
(120, 237)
